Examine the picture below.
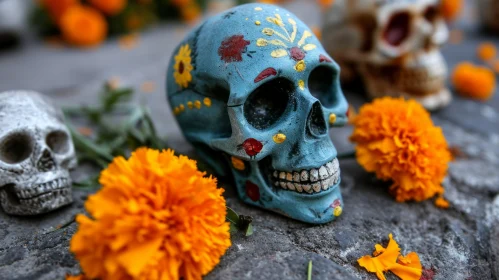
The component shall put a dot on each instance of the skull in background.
(489, 14)
(256, 94)
(393, 44)
(36, 153)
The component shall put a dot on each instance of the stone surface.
(458, 243)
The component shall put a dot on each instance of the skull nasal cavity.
(46, 162)
(397, 29)
(316, 125)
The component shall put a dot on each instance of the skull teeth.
(310, 181)
(41, 191)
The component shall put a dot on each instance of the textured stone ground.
(459, 243)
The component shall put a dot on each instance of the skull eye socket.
(16, 148)
(322, 84)
(398, 29)
(431, 13)
(58, 142)
(266, 104)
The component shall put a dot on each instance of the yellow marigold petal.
(408, 267)
(385, 258)
(442, 202)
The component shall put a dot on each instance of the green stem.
(309, 274)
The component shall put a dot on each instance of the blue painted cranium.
(256, 94)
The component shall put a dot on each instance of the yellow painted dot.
(258, 9)
(261, 42)
(176, 111)
(332, 118)
(337, 211)
(246, 18)
(257, 22)
(300, 66)
(237, 163)
(181, 107)
(197, 104)
(301, 84)
(207, 102)
(190, 105)
(279, 138)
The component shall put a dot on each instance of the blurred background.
(67, 49)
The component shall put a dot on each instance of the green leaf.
(309, 273)
(232, 216)
(249, 230)
(112, 97)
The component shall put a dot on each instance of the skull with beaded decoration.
(394, 45)
(256, 94)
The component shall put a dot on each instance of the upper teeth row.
(43, 188)
(313, 180)
(58, 193)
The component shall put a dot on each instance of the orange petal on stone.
(408, 267)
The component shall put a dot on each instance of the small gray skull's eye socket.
(58, 142)
(322, 84)
(16, 148)
(268, 102)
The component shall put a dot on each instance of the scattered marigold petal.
(325, 3)
(474, 81)
(83, 26)
(129, 41)
(441, 202)
(148, 86)
(383, 260)
(486, 51)
(451, 8)
(408, 267)
(85, 131)
(156, 217)
(398, 141)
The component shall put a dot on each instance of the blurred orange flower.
(325, 3)
(451, 8)
(389, 259)
(109, 7)
(56, 8)
(190, 12)
(397, 140)
(83, 26)
(486, 51)
(156, 217)
(474, 81)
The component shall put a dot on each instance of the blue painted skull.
(255, 93)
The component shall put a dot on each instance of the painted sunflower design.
(183, 66)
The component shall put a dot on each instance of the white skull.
(489, 13)
(393, 44)
(36, 153)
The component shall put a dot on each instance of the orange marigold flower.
(56, 8)
(487, 51)
(325, 3)
(83, 26)
(156, 217)
(190, 12)
(385, 259)
(474, 81)
(397, 140)
(451, 8)
(109, 7)
(76, 277)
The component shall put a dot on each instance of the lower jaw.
(35, 207)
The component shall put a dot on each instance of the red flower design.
(232, 48)
(265, 74)
(252, 146)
